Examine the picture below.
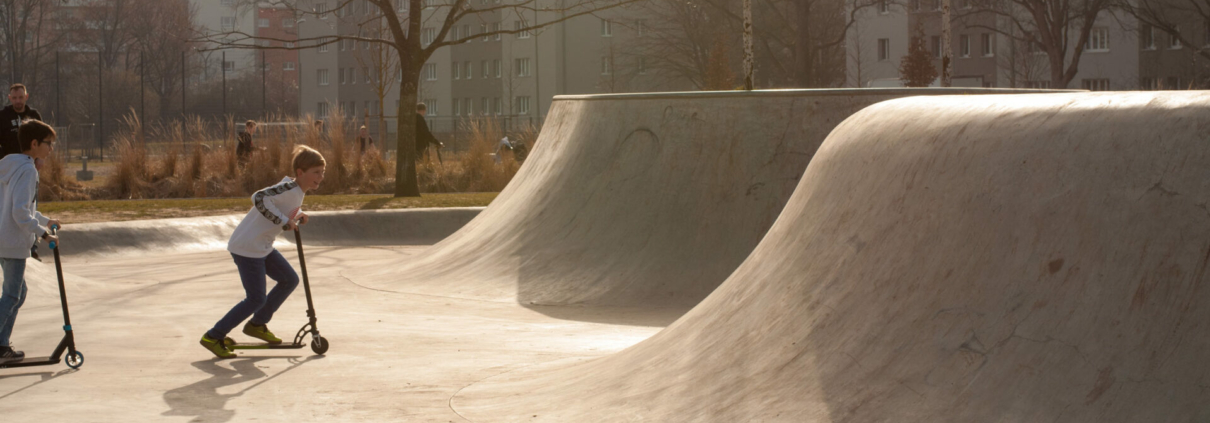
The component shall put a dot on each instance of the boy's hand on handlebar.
(54, 223)
(293, 225)
(302, 218)
(50, 238)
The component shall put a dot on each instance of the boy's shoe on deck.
(261, 332)
(9, 354)
(216, 347)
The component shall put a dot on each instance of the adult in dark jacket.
(424, 138)
(244, 147)
(11, 118)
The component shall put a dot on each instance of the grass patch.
(71, 212)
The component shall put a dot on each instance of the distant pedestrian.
(244, 148)
(364, 139)
(424, 137)
(503, 144)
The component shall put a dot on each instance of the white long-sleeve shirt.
(272, 208)
(20, 222)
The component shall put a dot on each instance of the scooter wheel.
(319, 345)
(75, 359)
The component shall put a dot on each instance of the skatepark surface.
(964, 258)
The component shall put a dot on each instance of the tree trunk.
(406, 184)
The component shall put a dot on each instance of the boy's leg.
(13, 296)
(279, 269)
(252, 274)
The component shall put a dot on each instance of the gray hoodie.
(20, 222)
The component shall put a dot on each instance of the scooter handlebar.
(54, 230)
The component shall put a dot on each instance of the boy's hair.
(421, 107)
(362, 127)
(17, 86)
(250, 123)
(306, 158)
(33, 130)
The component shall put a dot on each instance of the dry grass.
(196, 159)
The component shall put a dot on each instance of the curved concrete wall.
(980, 259)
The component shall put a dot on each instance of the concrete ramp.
(648, 199)
(1032, 258)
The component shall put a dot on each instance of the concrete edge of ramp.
(332, 228)
(897, 92)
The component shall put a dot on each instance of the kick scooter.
(318, 344)
(75, 358)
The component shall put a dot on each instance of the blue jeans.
(13, 296)
(252, 272)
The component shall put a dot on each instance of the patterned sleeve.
(266, 208)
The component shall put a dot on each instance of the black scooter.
(75, 358)
(318, 344)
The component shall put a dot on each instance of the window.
(1150, 84)
(466, 31)
(427, 36)
(966, 4)
(322, 10)
(322, 108)
(486, 108)
(468, 106)
(457, 108)
(884, 49)
(322, 48)
(262, 23)
(1095, 84)
(936, 4)
(517, 25)
(606, 28)
(289, 45)
(287, 23)
(228, 2)
(496, 107)
(1098, 40)
(1174, 38)
(267, 66)
(937, 47)
(496, 29)
(266, 43)
(352, 75)
(521, 67)
(884, 7)
(287, 66)
(496, 66)
(606, 65)
(229, 66)
(352, 108)
(483, 30)
(642, 66)
(343, 79)
(466, 70)
(964, 45)
(431, 105)
(1148, 33)
(640, 27)
(365, 72)
(321, 75)
(353, 45)
(227, 23)
(430, 71)
(522, 106)
(915, 5)
(1172, 83)
(486, 73)
(456, 70)
(1037, 84)
(403, 7)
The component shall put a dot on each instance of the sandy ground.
(393, 356)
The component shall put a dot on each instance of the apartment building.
(875, 44)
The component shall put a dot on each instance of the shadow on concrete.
(628, 316)
(202, 400)
(43, 377)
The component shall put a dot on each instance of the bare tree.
(382, 65)
(405, 33)
(1058, 28)
(28, 37)
(1167, 16)
(161, 31)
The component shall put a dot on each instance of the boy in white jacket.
(251, 246)
(20, 222)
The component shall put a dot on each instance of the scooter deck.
(261, 346)
(30, 361)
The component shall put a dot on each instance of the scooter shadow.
(43, 377)
(202, 399)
